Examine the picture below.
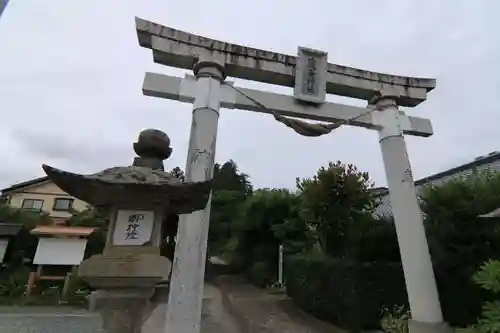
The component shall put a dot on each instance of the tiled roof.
(488, 162)
(24, 184)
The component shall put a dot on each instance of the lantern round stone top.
(142, 185)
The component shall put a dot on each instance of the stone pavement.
(67, 320)
(215, 318)
(48, 320)
(257, 311)
(230, 305)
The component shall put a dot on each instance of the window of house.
(63, 204)
(34, 204)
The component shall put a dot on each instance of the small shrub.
(460, 242)
(346, 293)
(488, 277)
(77, 290)
(277, 287)
(395, 320)
(261, 274)
(13, 284)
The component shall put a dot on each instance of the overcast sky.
(71, 74)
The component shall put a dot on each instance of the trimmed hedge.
(352, 294)
(461, 299)
(348, 294)
(262, 274)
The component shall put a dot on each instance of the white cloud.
(72, 72)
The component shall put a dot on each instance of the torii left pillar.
(188, 272)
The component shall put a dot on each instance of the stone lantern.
(138, 200)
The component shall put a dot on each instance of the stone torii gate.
(212, 61)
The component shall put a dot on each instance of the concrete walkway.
(48, 320)
(215, 318)
(230, 305)
(257, 311)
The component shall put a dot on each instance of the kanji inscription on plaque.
(133, 227)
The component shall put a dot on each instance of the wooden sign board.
(60, 251)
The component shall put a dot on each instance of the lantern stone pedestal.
(131, 276)
(126, 284)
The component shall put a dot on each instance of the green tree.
(177, 172)
(456, 233)
(333, 201)
(288, 226)
(268, 218)
(92, 218)
(228, 177)
(23, 246)
(226, 205)
(89, 217)
(230, 189)
(28, 218)
(460, 241)
(374, 240)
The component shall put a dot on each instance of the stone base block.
(127, 271)
(123, 311)
(419, 327)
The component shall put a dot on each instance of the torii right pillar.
(423, 297)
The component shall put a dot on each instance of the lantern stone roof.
(63, 231)
(492, 214)
(144, 184)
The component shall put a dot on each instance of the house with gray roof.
(482, 163)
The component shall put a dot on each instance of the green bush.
(77, 291)
(460, 242)
(261, 274)
(13, 283)
(373, 241)
(333, 201)
(348, 294)
(268, 218)
(395, 320)
(488, 277)
(461, 300)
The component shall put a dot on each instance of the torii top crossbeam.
(177, 48)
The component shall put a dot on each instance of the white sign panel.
(133, 227)
(60, 251)
(3, 248)
(310, 76)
